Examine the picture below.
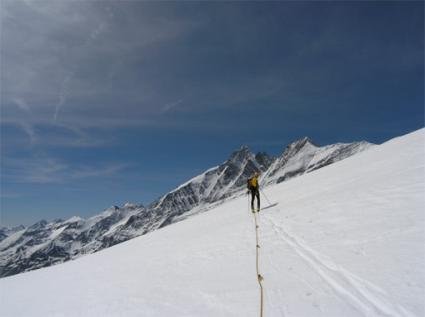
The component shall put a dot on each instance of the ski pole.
(265, 197)
(248, 201)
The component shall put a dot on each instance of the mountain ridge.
(47, 243)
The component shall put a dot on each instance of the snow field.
(344, 240)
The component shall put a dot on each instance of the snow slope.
(344, 240)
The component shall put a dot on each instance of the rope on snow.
(257, 247)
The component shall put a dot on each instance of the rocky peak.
(300, 143)
(297, 146)
(132, 206)
(240, 155)
(264, 159)
(111, 210)
(38, 225)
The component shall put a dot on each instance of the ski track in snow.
(364, 296)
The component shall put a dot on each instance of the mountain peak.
(242, 149)
(73, 219)
(240, 154)
(132, 206)
(297, 146)
(40, 224)
(303, 141)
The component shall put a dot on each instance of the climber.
(254, 189)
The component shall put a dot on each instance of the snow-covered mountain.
(44, 244)
(303, 156)
(344, 240)
(6, 231)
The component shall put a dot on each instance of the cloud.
(48, 170)
(10, 195)
(65, 87)
(73, 136)
(22, 104)
(171, 105)
(40, 171)
(120, 64)
(63, 94)
(59, 52)
(29, 130)
(99, 65)
(51, 136)
(103, 171)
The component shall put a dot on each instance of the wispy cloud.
(65, 89)
(75, 52)
(24, 120)
(28, 128)
(21, 103)
(59, 135)
(47, 170)
(169, 106)
(77, 137)
(63, 94)
(40, 171)
(66, 59)
(9, 195)
(103, 171)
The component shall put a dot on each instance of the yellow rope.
(259, 277)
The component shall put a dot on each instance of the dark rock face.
(44, 244)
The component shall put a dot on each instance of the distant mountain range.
(47, 243)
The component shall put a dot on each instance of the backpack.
(252, 183)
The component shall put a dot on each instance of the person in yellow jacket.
(254, 188)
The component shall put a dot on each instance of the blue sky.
(104, 102)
